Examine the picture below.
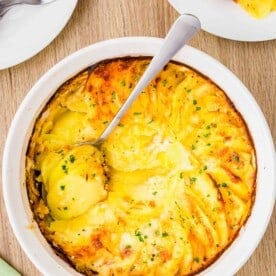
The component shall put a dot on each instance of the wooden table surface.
(96, 20)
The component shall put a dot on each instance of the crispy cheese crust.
(165, 194)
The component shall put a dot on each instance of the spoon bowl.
(6, 5)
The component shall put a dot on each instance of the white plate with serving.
(25, 30)
(14, 190)
(227, 19)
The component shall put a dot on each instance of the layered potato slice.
(165, 194)
(74, 181)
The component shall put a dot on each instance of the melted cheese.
(168, 190)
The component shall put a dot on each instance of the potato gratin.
(165, 194)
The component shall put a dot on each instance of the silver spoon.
(6, 5)
(183, 29)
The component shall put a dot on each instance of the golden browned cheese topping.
(165, 194)
(258, 8)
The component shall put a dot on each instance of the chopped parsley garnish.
(198, 108)
(188, 90)
(164, 82)
(207, 134)
(139, 235)
(224, 185)
(62, 187)
(236, 157)
(157, 232)
(61, 152)
(194, 102)
(64, 168)
(137, 113)
(196, 259)
(113, 95)
(154, 193)
(192, 180)
(165, 234)
(72, 158)
(123, 83)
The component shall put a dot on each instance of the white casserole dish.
(15, 195)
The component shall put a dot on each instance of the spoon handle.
(6, 3)
(183, 29)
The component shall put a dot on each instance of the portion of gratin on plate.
(165, 194)
(258, 8)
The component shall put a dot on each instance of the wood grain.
(95, 20)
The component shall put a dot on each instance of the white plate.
(227, 19)
(14, 191)
(25, 30)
